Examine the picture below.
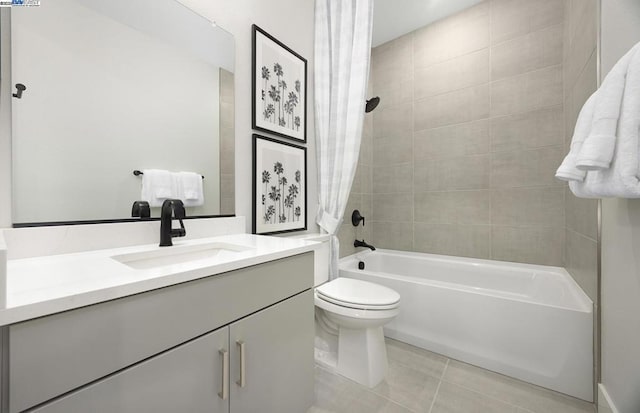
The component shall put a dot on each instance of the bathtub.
(530, 322)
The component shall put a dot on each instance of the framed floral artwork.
(279, 186)
(279, 87)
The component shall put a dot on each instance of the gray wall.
(620, 285)
(580, 81)
(469, 133)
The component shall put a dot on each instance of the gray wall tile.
(582, 215)
(529, 130)
(467, 172)
(454, 107)
(513, 18)
(582, 43)
(542, 207)
(458, 73)
(393, 121)
(457, 35)
(526, 168)
(393, 179)
(582, 261)
(470, 138)
(451, 239)
(453, 207)
(523, 54)
(392, 207)
(526, 92)
(580, 81)
(391, 151)
(534, 245)
(392, 235)
(463, 148)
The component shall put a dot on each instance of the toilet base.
(362, 355)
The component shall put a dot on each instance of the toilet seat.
(357, 294)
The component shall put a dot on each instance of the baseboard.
(605, 405)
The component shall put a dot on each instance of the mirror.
(112, 87)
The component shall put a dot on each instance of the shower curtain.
(342, 53)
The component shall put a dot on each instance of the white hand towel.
(568, 170)
(157, 185)
(191, 188)
(597, 150)
(621, 179)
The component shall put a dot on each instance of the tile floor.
(419, 381)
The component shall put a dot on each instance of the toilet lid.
(357, 292)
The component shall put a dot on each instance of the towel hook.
(19, 89)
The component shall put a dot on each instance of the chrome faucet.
(358, 243)
(171, 207)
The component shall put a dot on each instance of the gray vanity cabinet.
(267, 370)
(276, 376)
(184, 379)
(165, 350)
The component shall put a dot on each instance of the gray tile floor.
(419, 381)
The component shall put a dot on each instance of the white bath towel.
(598, 148)
(190, 188)
(157, 185)
(568, 170)
(621, 178)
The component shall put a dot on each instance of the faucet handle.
(178, 209)
(356, 218)
(179, 232)
(141, 209)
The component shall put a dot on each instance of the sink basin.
(178, 254)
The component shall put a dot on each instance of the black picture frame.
(285, 118)
(281, 207)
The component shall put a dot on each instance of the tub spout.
(358, 243)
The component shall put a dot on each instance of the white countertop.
(46, 285)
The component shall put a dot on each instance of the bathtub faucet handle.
(356, 218)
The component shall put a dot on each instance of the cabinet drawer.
(52, 355)
(184, 379)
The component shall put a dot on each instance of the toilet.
(350, 315)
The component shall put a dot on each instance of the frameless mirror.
(112, 87)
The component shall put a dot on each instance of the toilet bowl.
(350, 315)
(355, 311)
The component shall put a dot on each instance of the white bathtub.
(530, 322)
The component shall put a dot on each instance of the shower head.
(371, 104)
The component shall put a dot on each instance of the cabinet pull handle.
(224, 394)
(241, 381)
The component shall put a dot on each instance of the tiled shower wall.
(580, 81)
(467, 137)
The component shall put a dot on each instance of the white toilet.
(350, 315)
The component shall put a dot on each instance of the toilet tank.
(320, 258)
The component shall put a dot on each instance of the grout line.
(444, 370)
(488, 396)
(435, 396)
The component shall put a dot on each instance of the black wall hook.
(19, 89)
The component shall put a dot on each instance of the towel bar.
(138, 173)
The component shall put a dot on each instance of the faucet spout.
(357, 243)
(171, 208)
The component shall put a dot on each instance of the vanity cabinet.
(236, 342)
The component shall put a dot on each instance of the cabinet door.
(187, 378)
(278, 358)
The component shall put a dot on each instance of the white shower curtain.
(342, 52)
